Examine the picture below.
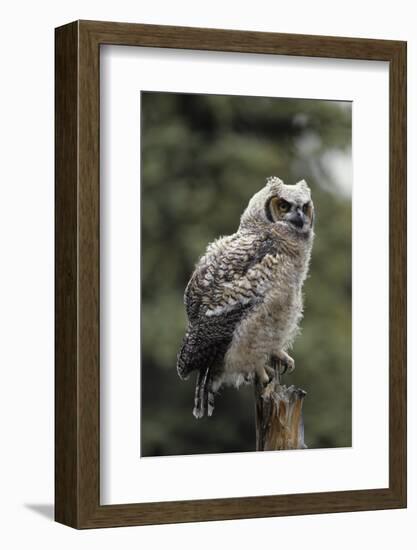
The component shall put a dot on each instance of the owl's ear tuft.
(273, 180)
(303, 185)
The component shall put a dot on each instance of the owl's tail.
(187, 361)
(204, 396)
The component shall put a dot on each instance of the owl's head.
(277, 203)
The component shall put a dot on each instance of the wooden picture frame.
(77, 373)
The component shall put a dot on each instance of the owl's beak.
(297, 218)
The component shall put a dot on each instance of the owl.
(244, 300)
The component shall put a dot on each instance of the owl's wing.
(229, 281)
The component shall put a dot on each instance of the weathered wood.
(278, 416)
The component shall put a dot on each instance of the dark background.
(202, 158)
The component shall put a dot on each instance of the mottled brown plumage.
(244, 299)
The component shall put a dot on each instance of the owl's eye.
(276, 208)
(284, 206)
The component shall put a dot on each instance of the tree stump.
(279, 418)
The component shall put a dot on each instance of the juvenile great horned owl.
(244, 299)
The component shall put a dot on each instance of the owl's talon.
(290, 365)
(270, 371)
(287, 366)
(264, 376)
(282, 364)
(282, 368)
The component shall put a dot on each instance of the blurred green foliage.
(203, 157)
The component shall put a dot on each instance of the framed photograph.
(230, 274)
